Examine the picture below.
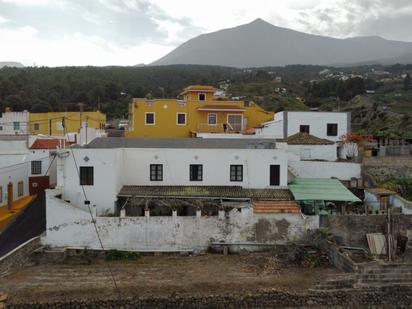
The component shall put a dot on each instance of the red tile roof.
(276, 207)
(48, 143)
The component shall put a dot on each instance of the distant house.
(14, 123)
(199, 111)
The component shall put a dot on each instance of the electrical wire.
(93, 219)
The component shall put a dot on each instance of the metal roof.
(218, 192)
(205, 143)
(314, 189)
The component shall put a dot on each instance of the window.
(1, 194)
(235, 122)
(36, 167)
(1, 128)
(156, 172)
(202, 97)
(304, 129)
(59, 125)
(150, 118)
(86, 176)
(236, 173)
(212, 119)
(16, 125)
(196, 172)
(332, 129)
(20, 188)
(36, 126)
(274, 179)
(181, 118)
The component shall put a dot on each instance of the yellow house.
(56, 123)
(197, 112)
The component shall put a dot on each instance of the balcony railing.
(218, 128)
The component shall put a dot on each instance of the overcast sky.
(128, 32)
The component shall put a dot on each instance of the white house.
(14, 167)
(12, 123)
(327, 125)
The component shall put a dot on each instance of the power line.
(93, 219)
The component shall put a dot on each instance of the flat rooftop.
(195, 143)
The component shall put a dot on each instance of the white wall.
(70, 226)
(48, 164)
(316, 120)
(7, 119)
(315, 152)
(14, 174)
(114, 168)
(315, 169)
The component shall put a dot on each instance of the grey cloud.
(125, 22)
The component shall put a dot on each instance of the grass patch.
(117, 255)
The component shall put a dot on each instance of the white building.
(14, 167)
(327, 125)
(172, 195)
(12, 123)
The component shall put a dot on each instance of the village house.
(49, 123)
(198, 111)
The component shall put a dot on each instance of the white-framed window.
(36, 126)
(149, 118)
(181, 119)
(36, 167)
(16, 125)
(59, 125)
(212, 119)
(202, 96)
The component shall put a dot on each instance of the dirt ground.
(161, 275)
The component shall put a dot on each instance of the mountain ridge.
(260, 44)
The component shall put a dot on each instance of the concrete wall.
(383, 168)
(14, 174)
(68, 225)
(48, 164)
(351, 230)
(7, 119)
(315, 169)
(315, 152)
(316, 120)
(372, 200)
(114, 168)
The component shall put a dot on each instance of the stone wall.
(382, 168)
(19, 256)
(355, 298)
(351, 230)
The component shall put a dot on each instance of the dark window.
(181, 118)
(150, 118)
(274, 175)
(20, 188)
(86, 175)
(156, 172)
(236, 173)
(304, 129)
(196, 172)
(202, 97)
(332, 129)
(212, 119)
(36, 167)
(36, 126)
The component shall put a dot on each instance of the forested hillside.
(380, 98)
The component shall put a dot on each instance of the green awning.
(314, 189)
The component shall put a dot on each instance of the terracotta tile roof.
(276, 207)
(47, 143)
(307, 139)
(205, 191)
(203, 88)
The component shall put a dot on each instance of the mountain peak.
(260, 21)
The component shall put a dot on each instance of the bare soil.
(161, 276)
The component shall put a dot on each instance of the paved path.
(30, 223)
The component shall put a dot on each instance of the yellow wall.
(50, 123)
(166, 117)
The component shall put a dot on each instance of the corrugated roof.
(201, 143)
(307, 139)
(313, 189)
(205, 192)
